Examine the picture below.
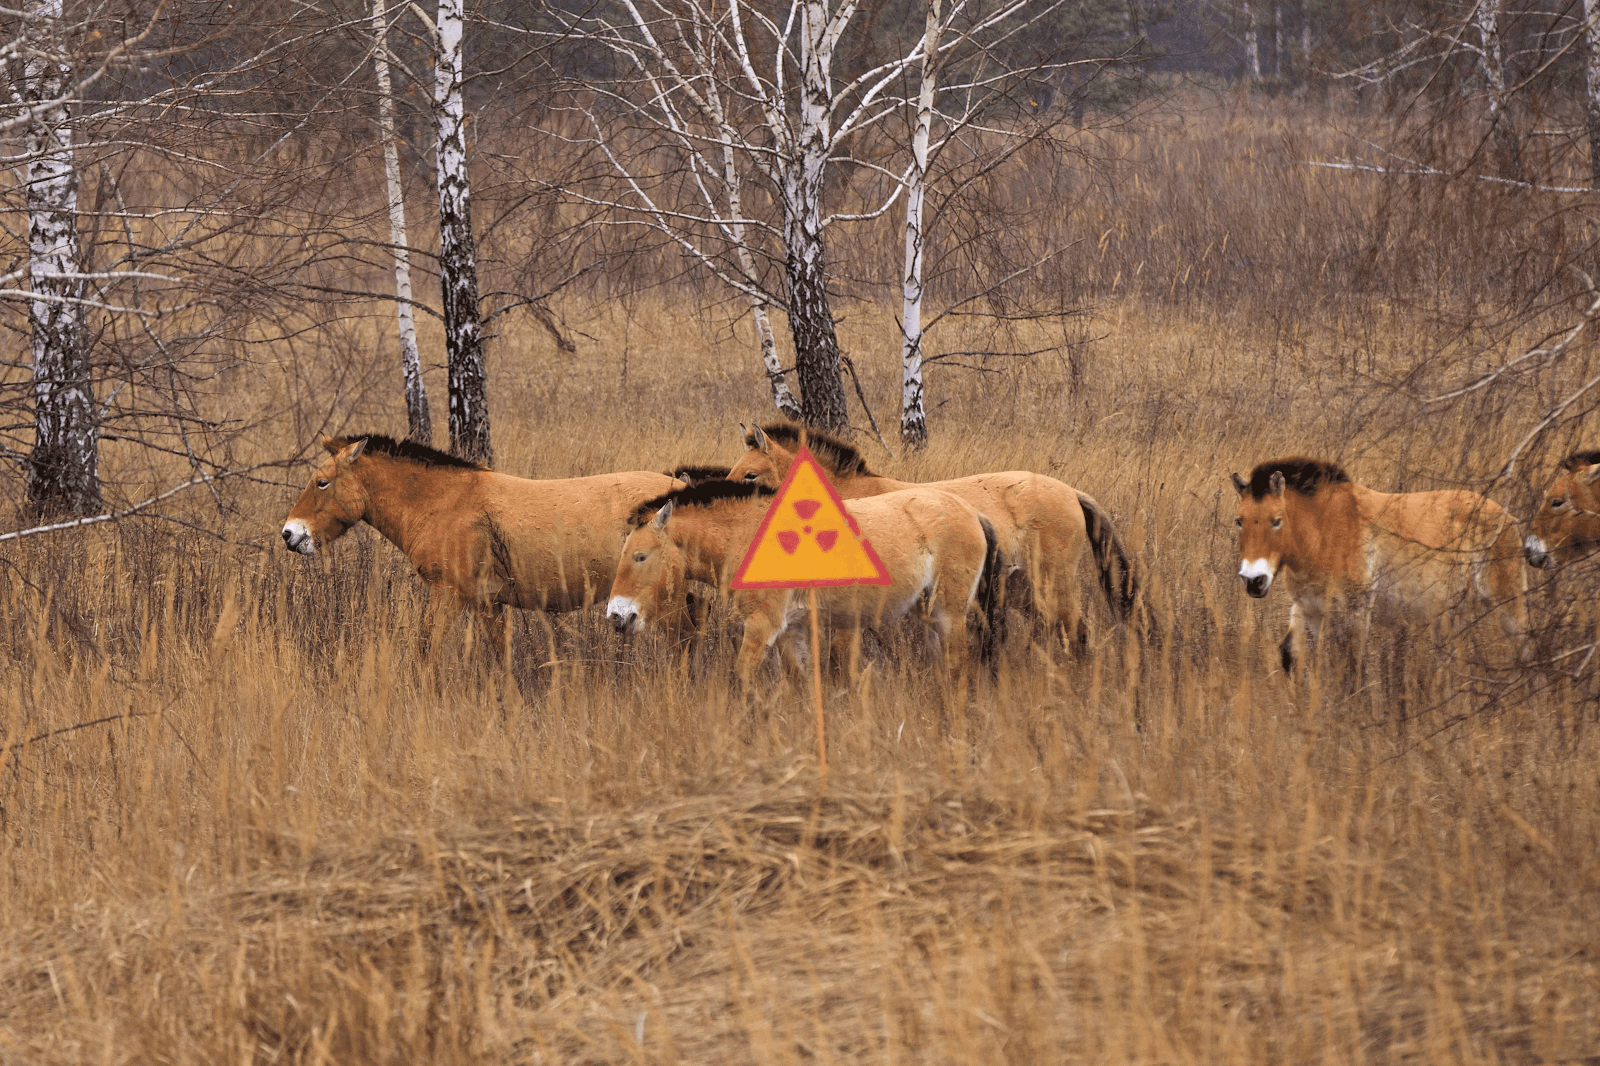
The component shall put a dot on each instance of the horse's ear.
(1277, 484)
(761, 440)
(1589, 475)
(1240, 485)
(744, 435)
(333, 444)
(662, 516)
(352, 453)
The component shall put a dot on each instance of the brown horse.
(484, 539)
(934, 546)
(1568, 520)
(1412, 555)
(1042, 524)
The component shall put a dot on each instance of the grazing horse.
(1410, 554)
(487, 540)
(934, 546)
(1042, 524)
(1569, 519)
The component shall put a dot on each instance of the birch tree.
(458, 267)
(1591, 85)
(63, 471)
(709, 97)
(169, 228)
(418, 419)
(1252, 43)
(1488, 19)
(913, 414)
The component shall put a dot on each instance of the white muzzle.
(298, 538)
(623, 614)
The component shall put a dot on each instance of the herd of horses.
(974, 546)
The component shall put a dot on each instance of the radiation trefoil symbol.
(808, 539)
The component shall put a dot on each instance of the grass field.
(244, 819)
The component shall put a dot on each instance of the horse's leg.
(764, 624)
(493, 618)
(1306, 612)
(1508, 598)
(1286, 646)
(444, 606)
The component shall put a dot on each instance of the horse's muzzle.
(1257, 584)
(1533, 549)
(297, 538)
(623, 613)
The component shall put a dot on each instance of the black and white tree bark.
(1252, 43)
(816, 346)
(1488, 20)
(1591, 85)
(712, 97)
(418, 419)
(458, 267)
(63, 469)
(913, 414)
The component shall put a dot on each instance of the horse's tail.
(1117, 578)
(991, 590)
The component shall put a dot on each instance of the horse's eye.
(1239, 522)
(1555, 504)
(640, 557)
(751, 476)
(1277, 523)
(323, 482)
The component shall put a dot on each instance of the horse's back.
(1444, 519)
(1428, 549)
(559, 539)
(1031, 512)
(918, 516)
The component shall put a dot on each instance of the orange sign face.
(808, 539)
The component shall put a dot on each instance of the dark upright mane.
(1578, 460)
(702, 495)
(1304, 476)
(378, 444)
(694, 475)
(841, 458)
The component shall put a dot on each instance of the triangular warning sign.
(808, 539)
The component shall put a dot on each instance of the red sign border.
(805, 456)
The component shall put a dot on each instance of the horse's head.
(334, 500)
(765, 462)
(1260, 525)
(650, 581)
(1569, 516)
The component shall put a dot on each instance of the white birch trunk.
(913, 415)
(816, 346)
(1491, 61)
(782, 398)
(458, 267)
(419, 422)
(63, 474)
(1252, 44)
(1591, 65)
(1277, 40)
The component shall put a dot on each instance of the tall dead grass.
(245, 815)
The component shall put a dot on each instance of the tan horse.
(1568, 520)
(484, 539)
(934, 546)
(1410, 555)
(1042, 524)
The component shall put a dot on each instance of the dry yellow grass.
(243, 819)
